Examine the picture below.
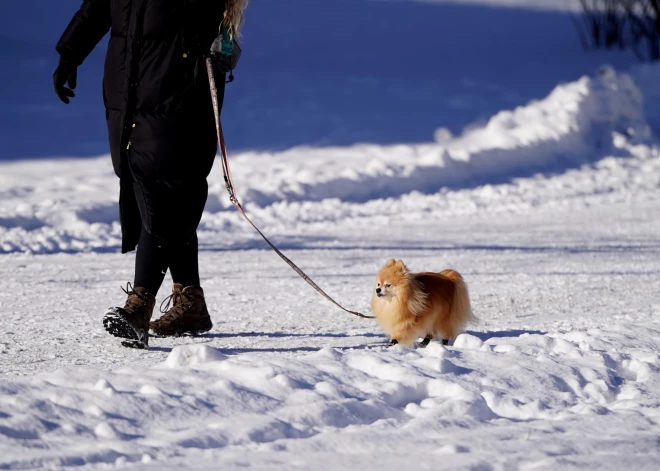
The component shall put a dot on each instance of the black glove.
(65, 72)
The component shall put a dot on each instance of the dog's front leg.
(427, 340)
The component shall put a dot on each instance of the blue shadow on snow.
(313, 73)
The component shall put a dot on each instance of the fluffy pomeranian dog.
(409, 306)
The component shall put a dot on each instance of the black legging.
(154, 257)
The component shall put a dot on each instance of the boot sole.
(184, 333)
(115, 324)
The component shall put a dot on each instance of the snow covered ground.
(550, 211)
(310, 196)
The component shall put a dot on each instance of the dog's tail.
(460, 314)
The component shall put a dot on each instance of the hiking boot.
(188, 314)
(132, 321)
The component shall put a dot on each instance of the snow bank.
(71, 206)
(647, 77)
(574, 125)
(375, 402)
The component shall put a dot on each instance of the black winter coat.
(158, 106)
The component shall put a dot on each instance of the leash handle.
(229, 184)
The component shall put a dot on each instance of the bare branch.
(624, 24)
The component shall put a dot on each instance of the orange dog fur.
(409, 306)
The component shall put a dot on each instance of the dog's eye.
(378, 285)
(387, 285)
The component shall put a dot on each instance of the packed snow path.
(562, 371)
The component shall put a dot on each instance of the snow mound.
(372, 401)
(468, 341)
(191, 355)
(574, 125)
(647, 77)
(65, 206)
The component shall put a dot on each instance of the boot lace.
(130, 291)
(178, 302)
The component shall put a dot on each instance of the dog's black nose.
(378, 290)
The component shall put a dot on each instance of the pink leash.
(229, 183)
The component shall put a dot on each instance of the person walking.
(162, 137)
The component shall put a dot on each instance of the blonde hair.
(233, 18)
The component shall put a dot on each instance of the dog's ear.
(390, 263)
(402, 266)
